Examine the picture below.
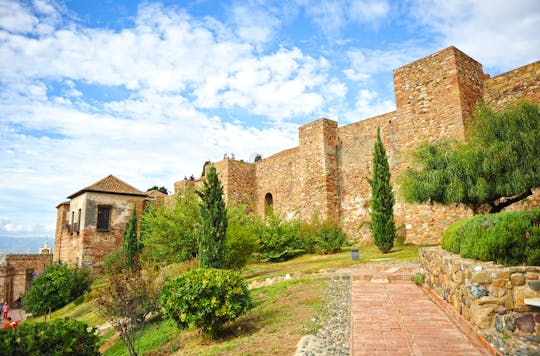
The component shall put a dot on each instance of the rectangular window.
(103, 218)
(79, 222)
(72, 221)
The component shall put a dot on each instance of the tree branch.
(495, 208)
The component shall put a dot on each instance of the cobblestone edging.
(490, 297)
(333, 338)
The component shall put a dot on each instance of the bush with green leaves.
(508, 238)
(323, 238)
(241, 241)
(55, 287)
(278, 238)
(57, 337)
(205, 298)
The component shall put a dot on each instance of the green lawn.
(282, 312)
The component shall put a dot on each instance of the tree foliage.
(126, 300)
(214, 222)
(57, 286)
(496, 166)
(169, 232)
(383, 228)
(57, 337)
(132, 245)
(159, 189)
(241, 241)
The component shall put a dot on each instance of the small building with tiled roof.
(91, 224)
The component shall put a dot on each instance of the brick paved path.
(393, 317)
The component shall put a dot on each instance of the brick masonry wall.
(509, 87)
(13, 270)
(278, 175)
(238, 180)
(327, 173)
(491, 297)
(89, 246)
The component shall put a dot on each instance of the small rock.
(478, 291)
(518, 279)
(499, 324)
(510, 323)
(525, 323)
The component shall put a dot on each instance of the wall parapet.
(489, 296)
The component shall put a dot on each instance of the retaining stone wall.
(489, 296)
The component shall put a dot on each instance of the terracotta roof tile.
(110, 184)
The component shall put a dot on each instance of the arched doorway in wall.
(268, 204)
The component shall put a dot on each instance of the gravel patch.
(333, 338)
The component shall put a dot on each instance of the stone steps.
(378, 273)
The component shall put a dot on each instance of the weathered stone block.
(534, 285)
(518, 279)
(478, 291)
(525, 323)
(489, 300)
(483, 315)
(481, 278)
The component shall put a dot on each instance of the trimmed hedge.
(205, 298)
(508, 238)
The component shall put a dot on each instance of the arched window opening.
(268, 204)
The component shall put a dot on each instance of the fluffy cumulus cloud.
(499, 34)
(173, 71)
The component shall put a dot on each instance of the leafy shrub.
(418, 278)
(278, 237)
(58, 337)
(83, 279)
(113, 263)
(508, 238)
(241, 240)
(322, 237)
(56, 287)
(205, 298)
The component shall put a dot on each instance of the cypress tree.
(382, 199)
(214, 222)
(132, 246)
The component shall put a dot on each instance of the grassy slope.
(282, 312)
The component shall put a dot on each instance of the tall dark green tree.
(214, 222)
(498, 164)
(132, 245)
(383, 228)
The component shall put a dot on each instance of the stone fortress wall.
(326, 173)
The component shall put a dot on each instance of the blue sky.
(148, 91)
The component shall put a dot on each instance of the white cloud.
(498, 33)
(254, 23)
(368, 104)
(16, 18)
(171, 68)
(331, 16)
(366, 62)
